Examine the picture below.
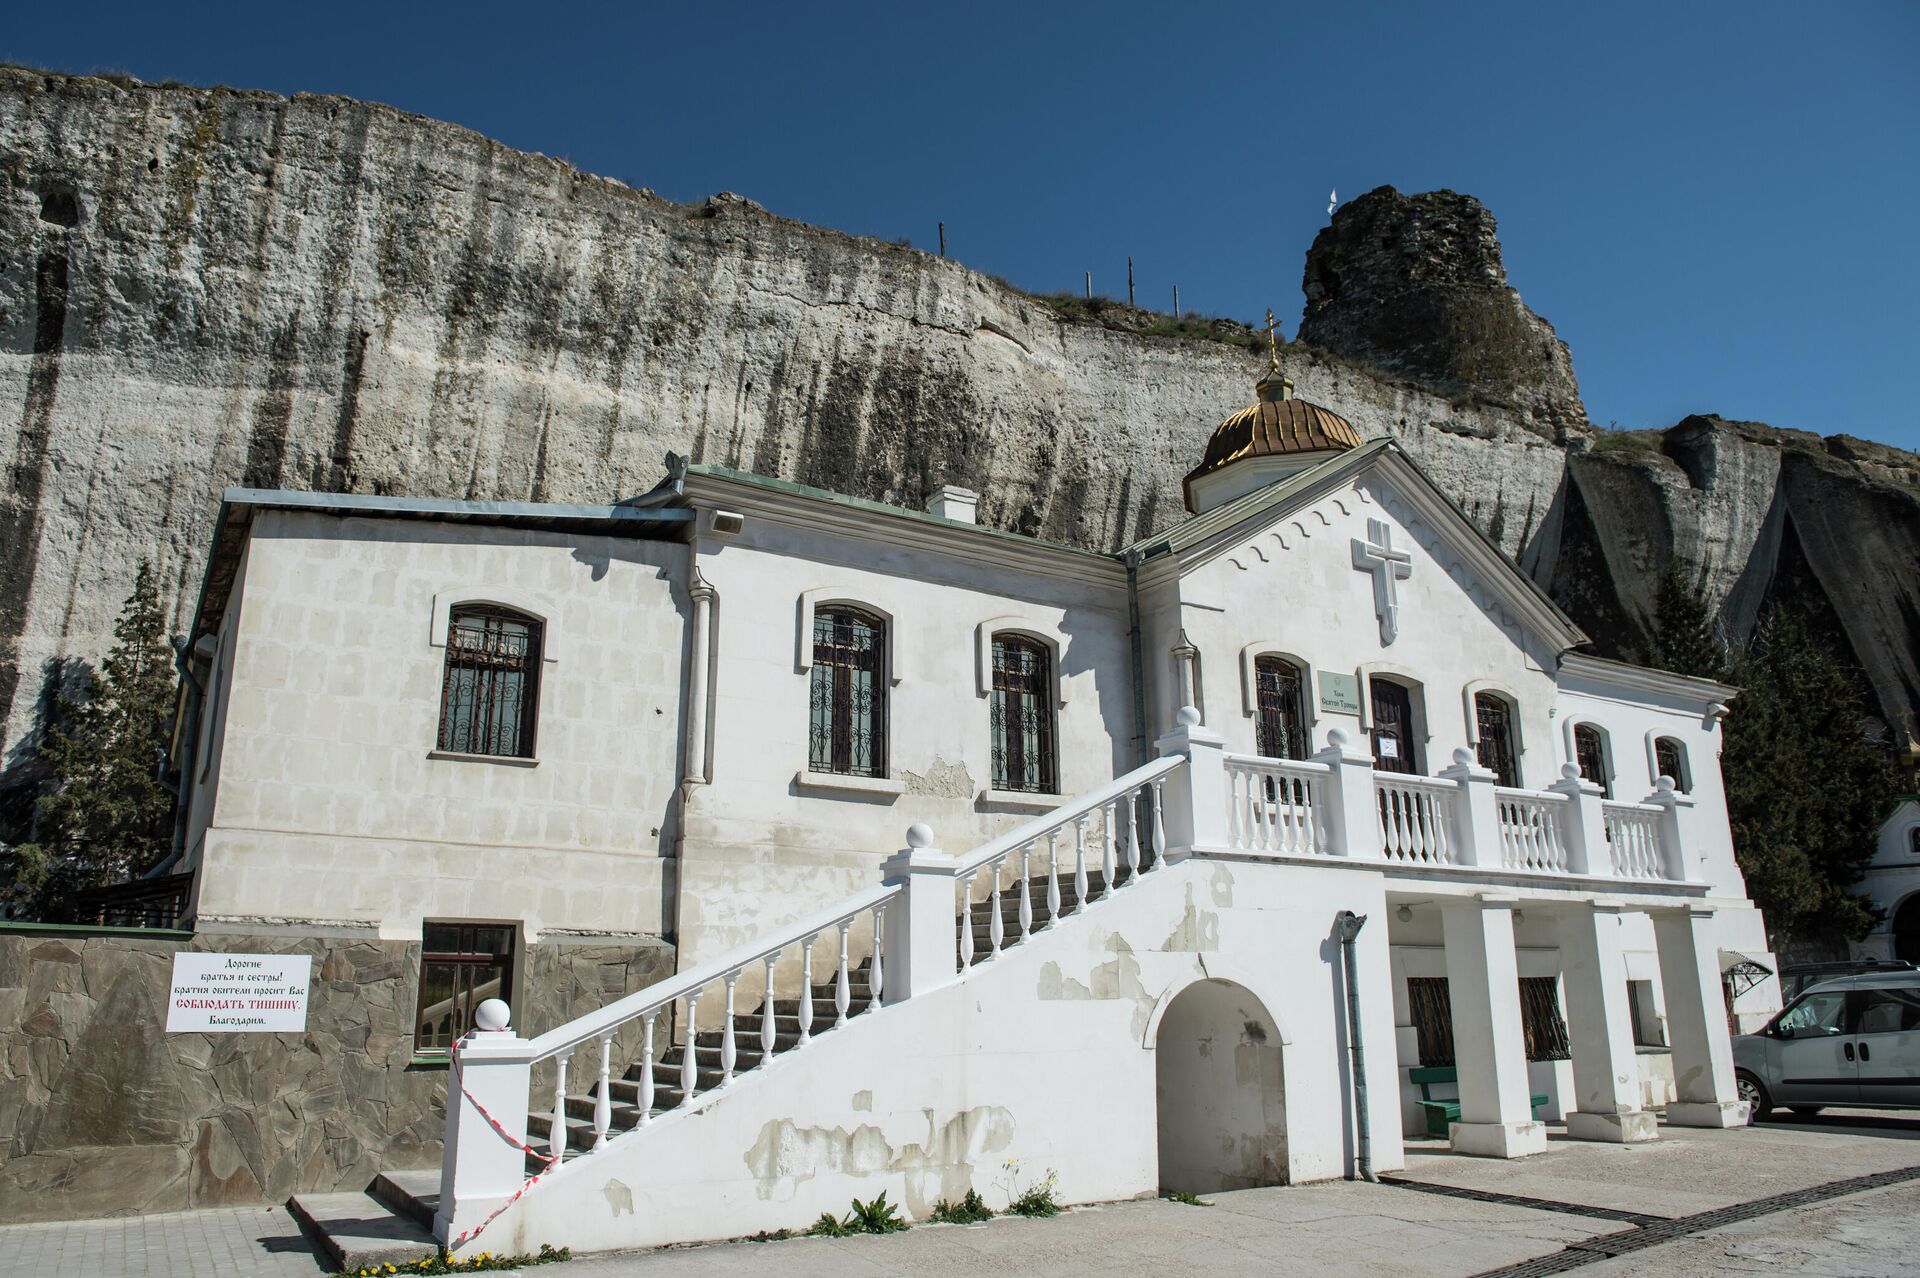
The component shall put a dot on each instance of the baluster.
(1132, 801)
(768, 1030)
(603, 1102)
(996, 925)
(804, 1011)
(966, 921)
(1026, 890)
(1159, 824)
(557, 1138)
(689, 1067)
(1080, 863)
(876, 979)
(1108, 861)
(1053, 876)
(1236, 808)
(840, 991)
(728, 1051)
(1381, 803)
(1262, 836)
(646, 1068)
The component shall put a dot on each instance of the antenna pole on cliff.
(1129, 281)
(943, 239)
(1176, 301)
(1089, 286)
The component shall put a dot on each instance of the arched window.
(490, 696)
(1493, 723)
(1022, 716)
(1671, 758)
(847, 703)
(1913, 837)
(1590, 752)
(1280, 722)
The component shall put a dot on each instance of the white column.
(699, 661)
(479, 1168)
(1195, 797)
(1606, 1070)
(1585, 828)
(1351, 813)
(922, 938)
(1676, 830)
(1696, 1021)
(1489, 1051)
(1477, 824)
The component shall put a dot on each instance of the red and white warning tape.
(550, 1158)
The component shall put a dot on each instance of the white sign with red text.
(239, 993)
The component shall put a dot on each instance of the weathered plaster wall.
(204, 287)
(331, 801)
(103, 1113)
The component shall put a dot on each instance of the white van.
(1851, 1041)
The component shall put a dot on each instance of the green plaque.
(1339, 693)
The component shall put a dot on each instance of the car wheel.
(1759, 1104)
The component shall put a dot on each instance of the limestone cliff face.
(201, 288)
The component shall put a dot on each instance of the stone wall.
(105, 1113)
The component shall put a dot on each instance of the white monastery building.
(1294, 832)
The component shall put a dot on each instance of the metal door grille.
(1022, 716)
(1494, 718)
(1590, 752)
(1280, 728)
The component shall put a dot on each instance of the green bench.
(1442, 1112)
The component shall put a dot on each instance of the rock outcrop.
(203, 288)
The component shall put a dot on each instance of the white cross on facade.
(1377, 556)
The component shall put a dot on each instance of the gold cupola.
(1276, 437)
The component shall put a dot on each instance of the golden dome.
(1279, 424)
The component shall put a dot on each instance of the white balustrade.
(1274, 805)
(1530, 830)
(1416, 818)
(1633, 839)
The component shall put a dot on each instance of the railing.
(1633, 839)
(648, 1006)
(1416, 818)
(1273, 805)
(1128, 811)
(1530, 830)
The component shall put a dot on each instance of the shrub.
(828, 1226)
(876, 1217)
(968, 1211)
(1037, 1201)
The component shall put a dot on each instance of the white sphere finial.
(492, 1016)
(1663, 784)
(1337, 738)
(919, 835)
(1570, 771)
(1463, 757)
(1187, 717)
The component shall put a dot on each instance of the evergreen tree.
(1683, 638)
(105, 816)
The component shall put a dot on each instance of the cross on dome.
(1377, 556)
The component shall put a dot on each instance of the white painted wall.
(1220, 1089)
(330, 804)
(1892, 876)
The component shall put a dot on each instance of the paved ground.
(1329, 1229)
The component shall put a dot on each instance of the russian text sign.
(239, 993)
(1339, 693)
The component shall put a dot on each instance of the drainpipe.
(190, 741)
(1346, 926)
(1140, 758)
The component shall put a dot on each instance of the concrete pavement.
(1338, 1228)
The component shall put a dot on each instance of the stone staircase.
(391, 1223)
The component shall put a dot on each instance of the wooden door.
(1393, 744)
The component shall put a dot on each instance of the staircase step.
(414, 1194)
(357, 1231)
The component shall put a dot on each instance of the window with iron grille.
(1280, 725)
(1022, 716)
(1493, 717)
(1431, 1003)
(490, 698)
(1590, 752)
(461, 966)
(847, 703)
(1671, 758)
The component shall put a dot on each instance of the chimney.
(950, 501)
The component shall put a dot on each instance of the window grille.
(461, 966)
(1022, 716)
(1280, 726)
(1494, 719)
(491, 694)
(847, 703)
(1590, 752)
(1541, 1024)
(1671, 758)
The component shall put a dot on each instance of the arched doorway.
(1221, 1091)
(1906, 929)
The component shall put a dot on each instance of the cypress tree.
(105, 816)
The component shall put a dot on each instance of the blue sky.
(1713, 203)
